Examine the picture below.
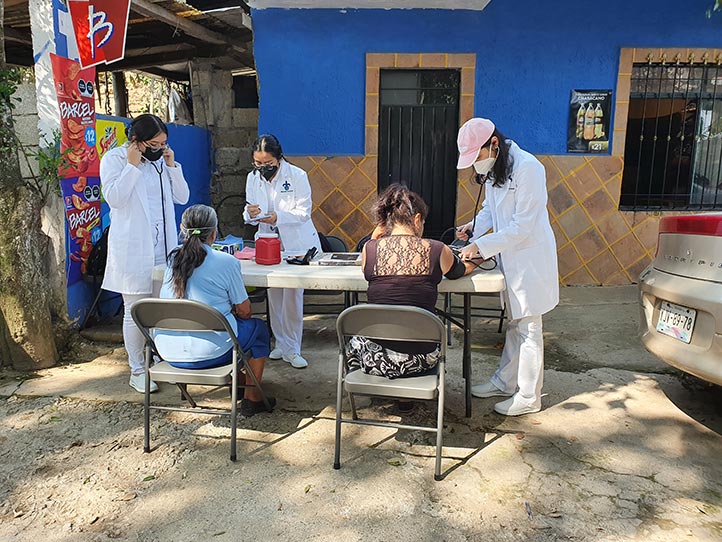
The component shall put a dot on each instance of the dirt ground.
(624, 450)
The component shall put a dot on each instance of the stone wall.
(25, 117)
(233, 131)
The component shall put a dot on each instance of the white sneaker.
(276, 353)
(296, 360)
(487, 389)
(137, 382)
(517, 406)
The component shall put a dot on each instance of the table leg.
(466, 356)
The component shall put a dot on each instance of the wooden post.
(120, 94)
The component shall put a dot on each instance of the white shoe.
(487, 389)
(517, 406)
(296, 360)
(276, 353)
(137, 382)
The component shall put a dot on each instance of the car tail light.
(693, 224)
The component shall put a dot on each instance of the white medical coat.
(290, 198)
(131, 257)
(522, 236)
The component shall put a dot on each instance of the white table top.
(350, 278)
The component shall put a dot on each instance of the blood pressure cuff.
(457, 270)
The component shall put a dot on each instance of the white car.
(681, 296)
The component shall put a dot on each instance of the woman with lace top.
(402, 268)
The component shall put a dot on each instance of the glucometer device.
(305, 260)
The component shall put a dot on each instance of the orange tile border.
(462, 60)
(372, 80)
(372, 110)
(434, 60)
(372, 139)
(620, 140)
(466, 111)
(380, 60)
(467, 81)
(377, 61)
(408, 60)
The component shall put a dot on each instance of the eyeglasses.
(155, 148)
(265, 164)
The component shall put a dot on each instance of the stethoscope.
(159, 171)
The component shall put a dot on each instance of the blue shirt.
(216, 282)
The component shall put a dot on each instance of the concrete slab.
(624, 450)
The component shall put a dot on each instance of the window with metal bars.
(673, 150)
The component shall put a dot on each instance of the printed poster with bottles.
(589, 114)
(80, 181)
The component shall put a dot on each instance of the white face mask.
(483, 167)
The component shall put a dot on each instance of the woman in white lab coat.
(278, 196)
(522, 240)
(140, 181)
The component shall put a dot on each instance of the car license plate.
(676, 321)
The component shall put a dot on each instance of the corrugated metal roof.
(162, 35)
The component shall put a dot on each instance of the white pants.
(132, 337)
(286, 308)
(522, 360)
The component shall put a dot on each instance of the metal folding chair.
(399, 323)
(186, 315)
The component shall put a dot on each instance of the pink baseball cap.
(472, 136)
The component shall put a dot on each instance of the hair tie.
(195, 231)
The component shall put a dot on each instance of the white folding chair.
(186, 315)
(398, 323)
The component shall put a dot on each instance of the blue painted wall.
(192, 147)
(530, 55)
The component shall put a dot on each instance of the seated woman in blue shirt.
(199, 273)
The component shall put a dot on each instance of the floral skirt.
(374, 359)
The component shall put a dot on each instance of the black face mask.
(151, 154)
(267, 171)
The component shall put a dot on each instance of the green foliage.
(49, 161)
(50, 165)
(10, 78)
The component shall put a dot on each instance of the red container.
(268, 249)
